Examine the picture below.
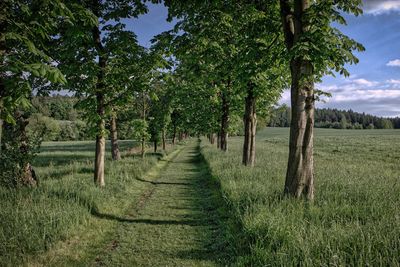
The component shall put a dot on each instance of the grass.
(59, 217)
(354, 220)
(178, 221)
(191, 210)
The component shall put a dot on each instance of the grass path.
(174, 223)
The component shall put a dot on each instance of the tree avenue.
(114, 145)
(219, 72)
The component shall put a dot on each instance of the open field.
(354, 220)
(187, 212)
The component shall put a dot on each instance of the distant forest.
(57, 118)
(337, 119)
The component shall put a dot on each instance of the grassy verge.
(354, 221)
(61, 213)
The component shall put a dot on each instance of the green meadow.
(66, 204)
(206, 209)
(354, 220)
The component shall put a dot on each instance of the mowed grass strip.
(55, 224)
(354, 220)
(180, 221)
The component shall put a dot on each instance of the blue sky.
(374, 84)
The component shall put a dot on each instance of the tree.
(26, 27)
(84, 56)
(209, 35)
(160, 111)
(242, 67)
(343, 121)
(127, 71)
(315, 48)
(260, 69)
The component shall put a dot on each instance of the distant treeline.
(337, 119)
(57, 119)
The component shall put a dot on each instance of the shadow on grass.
(229, 242)
(76, 147)
(79, 146)
(158, 155)
(211, 211)
(99, 215)
(219, 231)
(55, 175)
(59, 160)
(161, 183)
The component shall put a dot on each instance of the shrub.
(45, 127)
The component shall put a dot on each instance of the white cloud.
(364, 82)
(394, 63)
(362, 95)
(378, 7)
(393, 81)
(285, 98)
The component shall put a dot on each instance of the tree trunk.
(212, 138)
(300, 168)
(163, 140)
(300, 171)
(101, 125)
(250, 125)
(116, 155)
(155, 146)
(2, 85)
(174, 136)
(144, 120)
(224, 123)
(143, 150)
(28, 175)
(100, 143)
(1, 134)
(218, 140)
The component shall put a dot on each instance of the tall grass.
(32, 220)
(354, 220)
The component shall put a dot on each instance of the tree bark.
(115, 153)
(218, 140)
(28, 175)
(163, 140)
(100, 143)
(224, 123)
(250, 126)
(155, 146)
(300, 169)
